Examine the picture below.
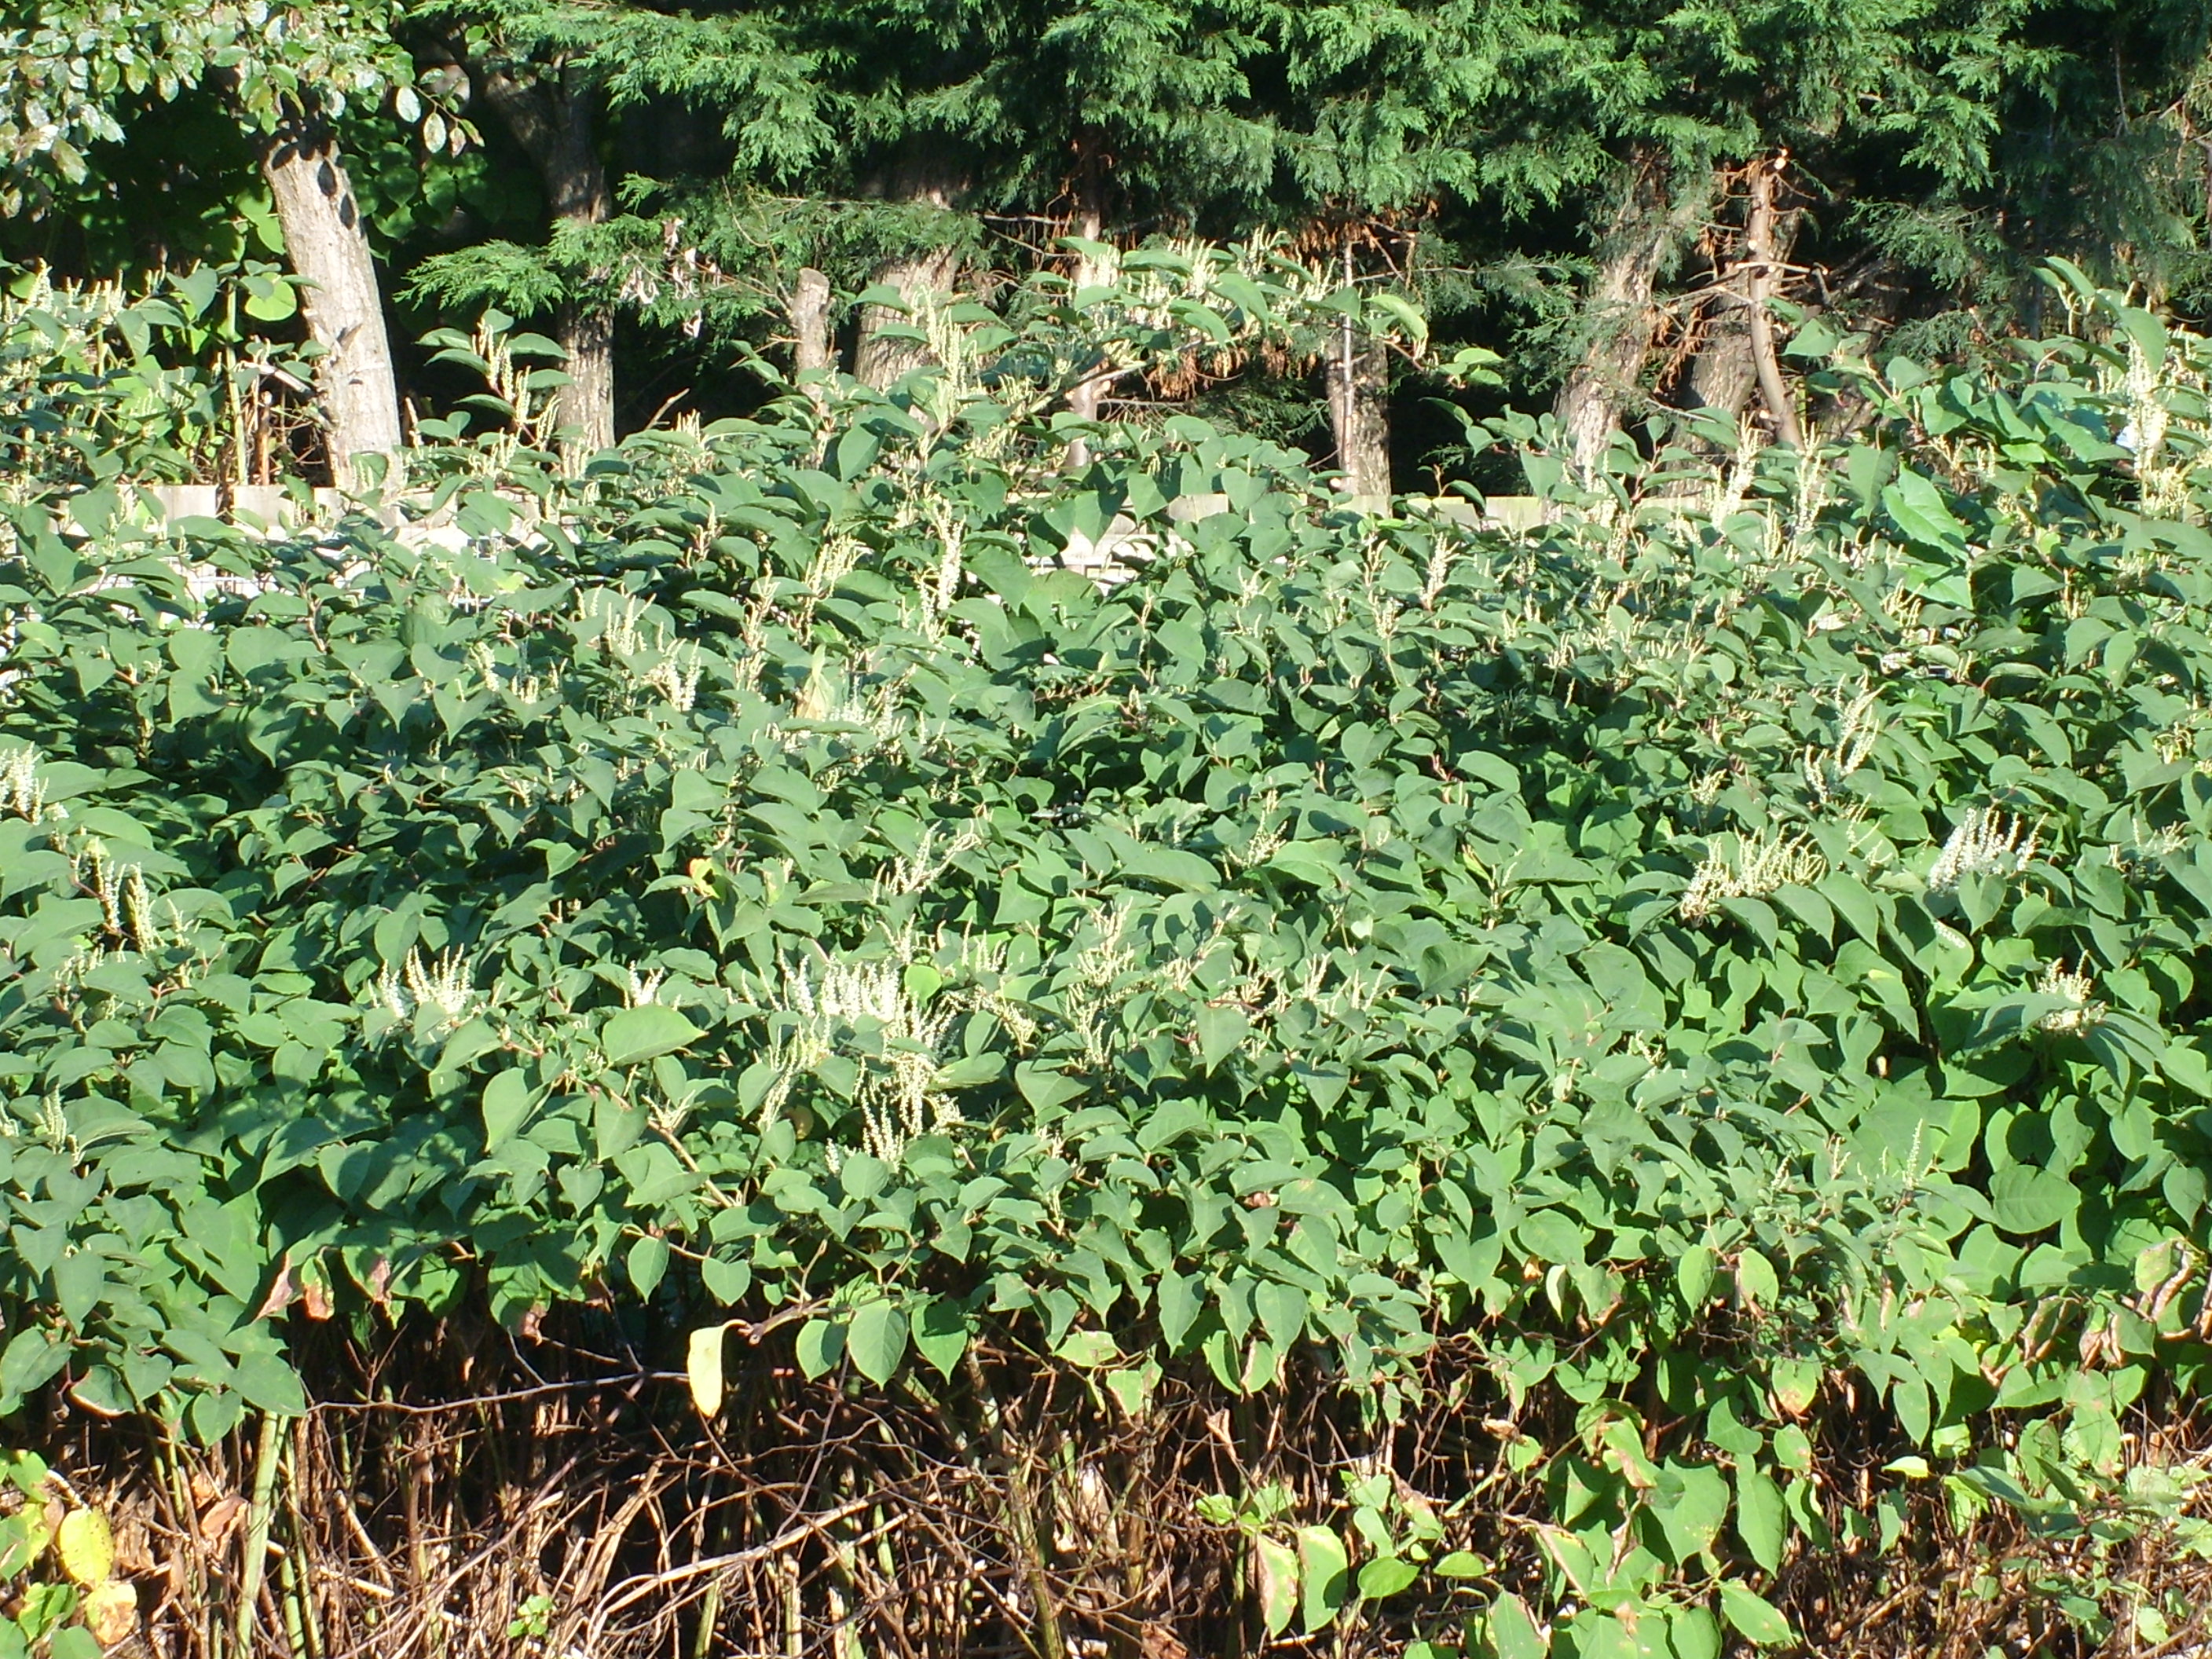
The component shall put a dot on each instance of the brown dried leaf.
(221, 1518)
(280, 1293)
(134, 1545)
(111, 1612)
(315, 1288)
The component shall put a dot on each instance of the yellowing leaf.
(111, 1612)
(702, 1365)
(86, 1545)
(1796, 1383)
(1325, 1573)
(1277, 1568)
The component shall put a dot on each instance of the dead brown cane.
(1759, 250)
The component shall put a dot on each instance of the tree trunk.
(1636, 248)
(551, 118)
(878, 359)
(810, 327)
(328, 246)
(1359, 413)
(922, 178)
(1085, 397)
(586, 406)
(1722, 375)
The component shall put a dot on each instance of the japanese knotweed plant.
(105, 388)
(1765, 1022)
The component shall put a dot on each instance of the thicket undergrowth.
(1728, 959)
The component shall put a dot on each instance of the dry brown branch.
(599, 1516)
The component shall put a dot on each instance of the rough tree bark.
(1722, 374)
(551, 117)
(1357, 372)
(1645, 229)
(878, 359)
(923, 177)
(1084, 397)
(810, 327)
(327, 244)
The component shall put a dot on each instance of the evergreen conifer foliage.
(556, 73)
(1685, 98)
(1594, 157)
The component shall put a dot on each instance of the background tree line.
(1632, 200)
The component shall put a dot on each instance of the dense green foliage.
(104, 388)
(74, 70)
(1733, 949)
(921, 889)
